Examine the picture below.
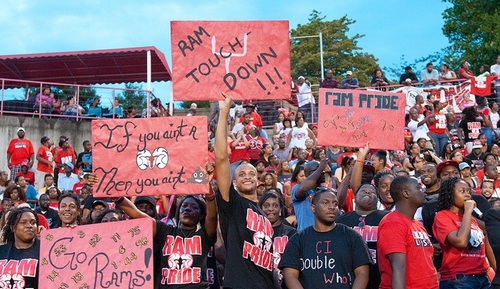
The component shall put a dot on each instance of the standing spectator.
(437, 128)
(45, 161)
(492, 223)
(365, 220)
(409, 74)
(316, 242)
(282, 152)
(84, 159)
(446, 74)
(460, 237)
(379, 81)
(299, 134)
(66, 155)
(305, 98)
(464, 72)
(246, 231)
(68, 179)
(495, 70)
(255, 144)
(20, 150)
(192, 109)
(418, 125)
(470, 126)
(349, 82)
(404, 249)
(328, 82)
(429, 75)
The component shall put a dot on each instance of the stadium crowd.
(286, 212)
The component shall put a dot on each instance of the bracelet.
(360, 161)
(119, 200)
(209, 197)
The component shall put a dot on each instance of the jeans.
(467, 282)
(440, 140)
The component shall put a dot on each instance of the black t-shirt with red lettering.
(184, 256)
(367, 227)
(248, 238)
(19, 267)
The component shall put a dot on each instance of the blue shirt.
(302, 208)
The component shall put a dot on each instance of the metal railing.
(18, 98)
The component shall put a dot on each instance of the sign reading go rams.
(247, 59)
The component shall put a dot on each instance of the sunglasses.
(361, 223)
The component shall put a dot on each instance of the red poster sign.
(150, 156)
(106, 255)
(247, 59)
(350, 118)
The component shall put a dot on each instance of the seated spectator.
(192, 109)
(349, 82)
(50, 214)
(45, 100)
(379, 81)
(68, 179)
(29, 190)
(464, 72)
(409, 74)
(96, 102)
(131, 113)
(70, 107)
(429, 75)
(28, 175)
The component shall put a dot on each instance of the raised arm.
(311, 181)
(357, 172)
(131, 210)
(211, 218)
(221, 156)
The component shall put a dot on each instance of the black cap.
(44, 139)
(145, 199)
(100, 202)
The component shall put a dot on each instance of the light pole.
(320, 35)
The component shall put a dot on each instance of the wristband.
(360, 161)
(119, 200)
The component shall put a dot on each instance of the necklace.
(187, 233)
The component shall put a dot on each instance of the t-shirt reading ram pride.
(326, 259)
(184, 256)
(19, 267)
(248, 237)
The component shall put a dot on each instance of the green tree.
(340, 52)
(134, 96)
(472, 29)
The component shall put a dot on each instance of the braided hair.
(12, 221)
(447, 193)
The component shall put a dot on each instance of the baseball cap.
(477, 144)
(368, 166)
(463, 165)
(301, 77)
(454, 138)
(444, 164)
(100, 202)
(20, 129)
(145, 199)
(348, 72)
(69, 164)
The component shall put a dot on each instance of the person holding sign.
(246, 231)
(185, 247)
(19, 256)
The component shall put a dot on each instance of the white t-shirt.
(418, 131)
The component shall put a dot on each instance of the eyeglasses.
(362, 223)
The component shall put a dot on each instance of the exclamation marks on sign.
(147, 257)
(272, 81)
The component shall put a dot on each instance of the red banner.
(106, 255)
(247, 59)
(350, 118)
(150, 156)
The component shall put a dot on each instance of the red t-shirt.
(28, 176)
(77, 188)
(239, 152)
(20, 150)
(45, 153)
(349, 201)
(255, 119)
(481, 85)
(471, 260)
(256, 145)
(439, 124)
(399, 234)
(65, 156)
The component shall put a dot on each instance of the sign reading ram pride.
(107, 255)
(150, 156)
(351, 118)
(246, 59)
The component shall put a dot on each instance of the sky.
(392, 28)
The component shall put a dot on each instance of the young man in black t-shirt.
(50, 214)
(326, 254)
(247, 232)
